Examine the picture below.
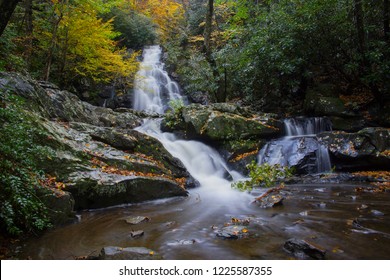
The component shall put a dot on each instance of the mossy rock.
(325, 106)
(60, 205)
(224, 121)
(96, 189)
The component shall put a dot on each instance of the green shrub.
(21, 210)
(174, 114)
(264, 175)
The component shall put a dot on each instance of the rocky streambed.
(315, 221)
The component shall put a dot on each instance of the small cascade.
(153, 88)
(300, 148)
(306, 126)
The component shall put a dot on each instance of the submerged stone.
(182, 242)
(134, 220)
(137, 233)
(273, 197)
(302, 249)
(233, 232)
(128, 253)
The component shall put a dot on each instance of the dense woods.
(275, 56)
(252, 50)
(260, 50)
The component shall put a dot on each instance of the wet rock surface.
(134, 220)
(233, 232)
(271, 198)
(128, 253)
(367, 148)
(304, 250)
(137, 233)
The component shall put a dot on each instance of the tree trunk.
(208, 29)
(359, 23)
(7, 7)
(29, 29)
(53, 43)
(386, 19)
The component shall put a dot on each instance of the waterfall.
(299, 147)
(153, 88)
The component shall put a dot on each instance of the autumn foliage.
(167, 14)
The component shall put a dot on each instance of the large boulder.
(50, 102)
(319, 105)
(236, 131)
(323, 100)
(105, 166)
(368, 148)
(97, 189)
(60, 203)
(223, 121)
(305, 154)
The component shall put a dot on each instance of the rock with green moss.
(236, 131)
(323, 101)
(52, 103)
(96, 189)
(60, 205)
(224, 122)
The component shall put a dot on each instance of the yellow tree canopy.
(92, 51)
(167, 14)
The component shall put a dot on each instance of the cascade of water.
(306, 126)
(202, 162)
(153, 88)
(300, 147)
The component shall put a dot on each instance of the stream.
(347, 223)
(186, 228)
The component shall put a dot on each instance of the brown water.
(185, 228)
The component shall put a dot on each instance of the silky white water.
(153, 88)
(203, 162)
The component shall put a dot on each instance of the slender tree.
(359, 23)
(208, 29)
(29, 29)
(7, 7)
(386, 19)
